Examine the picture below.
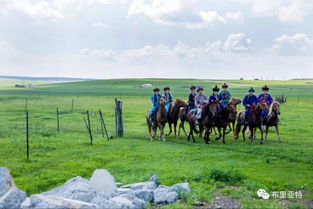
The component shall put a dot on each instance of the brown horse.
(272, 119)
(161, 120)
(219, 119)
(207, 123)
(182, 117)
(255, 120)
(191, 118)
(232, 108)
(173, 115)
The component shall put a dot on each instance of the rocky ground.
(100, 192)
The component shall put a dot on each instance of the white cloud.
(234, 43)
(180, 13)
(235, 16)
(296, 45)
(100, 25)
(42, 10)
(285, 11)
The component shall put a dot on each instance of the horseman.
(224, 95)
(250, 101)
(265, 96)
(192, 98)
(168, 97)
(154, 99)
(214, 98)
(200, 101)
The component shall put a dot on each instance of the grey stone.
(141, 185)
(100, 198)
(54, 202)
(155, 179)
(145, 195)
(103, 181)
(162, 195)
(26, 203)
(12, 199)
(6, 181)
(180, 188)
(138, 203)
(76, 188)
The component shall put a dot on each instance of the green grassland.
(56, 157)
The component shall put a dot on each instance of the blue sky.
(157, 38)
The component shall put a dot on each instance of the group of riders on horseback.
(219, 111)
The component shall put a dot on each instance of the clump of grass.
(229, 176)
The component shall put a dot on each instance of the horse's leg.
(179, 127)
(193, 137)
(219, 134)
(243, 132)
(266, 132)
(277, 131)
(224, 133)
(183, 127)
(233, 125)
(175, 126)
(237, 130)
(170, 126)
(190, 131)
(261, 129)
(251, 133)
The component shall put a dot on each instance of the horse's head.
(162, 101)
(275, 107)
(262, 105)
(214, 109)
(232, 108)
(180, 103)
(235, 101)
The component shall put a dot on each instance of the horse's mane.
(180, 102)
(271, 107)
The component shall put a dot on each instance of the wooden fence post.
(72, 109)
(118, 118)
(26, 104)
(58, 120)
(103, 126)
(27, 136)
(88, 126)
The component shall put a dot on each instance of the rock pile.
(100, 192)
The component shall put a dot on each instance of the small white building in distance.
(146, 85)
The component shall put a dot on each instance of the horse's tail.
(238, 125)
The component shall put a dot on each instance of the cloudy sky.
(157, 38)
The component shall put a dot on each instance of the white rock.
(76, 188)
(145, 195)
(54, 202)
(121, 203)
(103, 181)
(12, 199)
(26, 203)
(155, 179)
(136, 201)
(162, 195)
(6, 181)
(150, 185)
(100, 198)
(180, 188)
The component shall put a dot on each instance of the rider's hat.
(265, 88)
(156, 89)
(166, 88)
(251, 90)
(200, 88)
(216, 88)
(192, 87)
(225, 85)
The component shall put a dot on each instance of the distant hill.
(60, 79)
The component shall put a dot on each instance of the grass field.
(56, 157)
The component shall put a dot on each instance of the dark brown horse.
(161, 120)
(173, 115)
(272, 119)
(191, 118)
(255, 120)
(220, 119)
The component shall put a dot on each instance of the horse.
(232, 108)
(255, 120)
(191, 118)
(161, 120)
(173, 115)
(219, 119)
(182, 118)
(272, 119)
(207, 123)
